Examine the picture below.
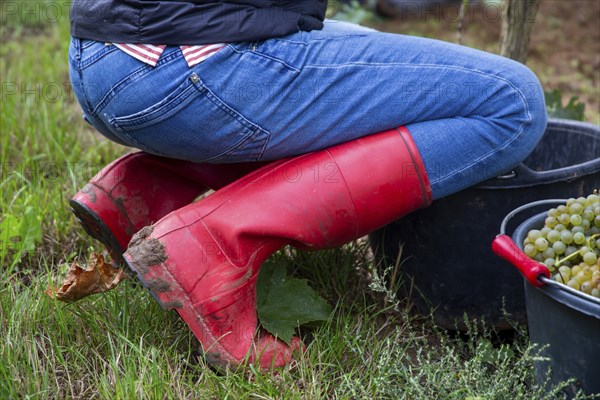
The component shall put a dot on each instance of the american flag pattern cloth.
(150, 53)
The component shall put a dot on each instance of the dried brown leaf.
(97, 277)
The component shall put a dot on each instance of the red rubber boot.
(203, 259)
(139, 189)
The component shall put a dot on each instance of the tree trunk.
(518, 17)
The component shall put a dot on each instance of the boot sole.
(171, 296)
(96, 228)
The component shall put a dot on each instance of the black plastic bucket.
(445, 252)
(563, 321)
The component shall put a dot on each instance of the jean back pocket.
(191, 123)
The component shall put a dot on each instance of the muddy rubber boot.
(203, 259)
(138, 189)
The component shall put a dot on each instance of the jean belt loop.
(77, 46)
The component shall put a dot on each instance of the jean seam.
(264, 146)
(138, 143)
(265, 56)
(259, 53)
(79, 71)
(319, 39)
(483, 157)
(250, 138)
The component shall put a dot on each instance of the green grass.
(47, 151)
(123, 345)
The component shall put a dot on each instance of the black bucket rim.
(523, 176)
(557, 293)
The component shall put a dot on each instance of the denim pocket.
(192, 123)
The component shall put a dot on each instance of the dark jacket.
(192, 21)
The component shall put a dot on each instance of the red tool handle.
(504, 247)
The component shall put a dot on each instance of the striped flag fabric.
(150, 53)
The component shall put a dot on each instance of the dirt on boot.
(145, 252)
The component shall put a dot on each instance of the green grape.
(571, 237)
(533, 235)
(585, 224)
(588, 215)
(583, 276)
(586, 287)
(530, 250)
(564, 219)
(558, 247)
(576, 209)
(592, 198)
(579, 238)
(541, 244)
(550, 262)
(570, 250)
(590, 258)
(574, 284)
(553, 236)
(565, 273)
(549, 253)
(566, 237)
(560, 227)
(576, 219)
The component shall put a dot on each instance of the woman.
(313, 133)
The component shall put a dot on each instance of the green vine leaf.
(284, 302)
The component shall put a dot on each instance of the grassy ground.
(121, 344)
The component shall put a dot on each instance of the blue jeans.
(472, 114)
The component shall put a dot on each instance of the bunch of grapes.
(569, 244)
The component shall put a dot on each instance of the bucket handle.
(504, 247)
